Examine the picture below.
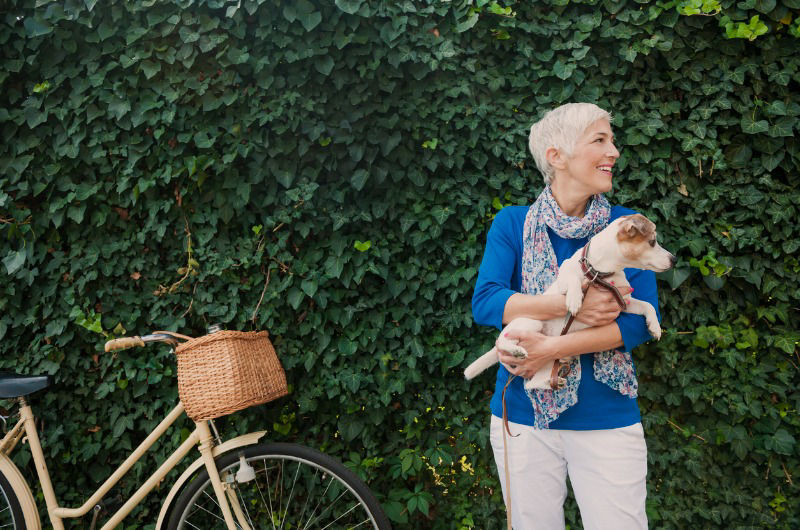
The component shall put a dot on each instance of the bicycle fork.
(226, 496)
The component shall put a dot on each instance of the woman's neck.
(571, 201)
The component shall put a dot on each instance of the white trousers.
(607, 470)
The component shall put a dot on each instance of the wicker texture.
(228, 371)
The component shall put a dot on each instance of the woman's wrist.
(553, 347)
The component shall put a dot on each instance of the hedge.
(328, 171)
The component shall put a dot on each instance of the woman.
(591, 429)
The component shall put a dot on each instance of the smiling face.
(589, 169)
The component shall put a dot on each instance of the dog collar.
(597, 277)
(589, 272)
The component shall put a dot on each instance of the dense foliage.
(327, 171)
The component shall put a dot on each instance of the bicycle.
(239, 484)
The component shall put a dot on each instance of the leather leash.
(560, 369)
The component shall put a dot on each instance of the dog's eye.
(652, 242)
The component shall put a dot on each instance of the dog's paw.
(654, 328)
(516, 350)
(574, 301)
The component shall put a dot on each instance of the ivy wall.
(328, 171)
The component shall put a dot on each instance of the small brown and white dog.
(629, 241)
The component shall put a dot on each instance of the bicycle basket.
(228, 371)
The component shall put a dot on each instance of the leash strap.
(505, 452)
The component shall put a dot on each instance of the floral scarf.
(539, 270)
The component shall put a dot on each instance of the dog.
(629, 241)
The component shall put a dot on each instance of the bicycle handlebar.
(123, 343)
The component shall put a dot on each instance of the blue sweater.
(598, 407)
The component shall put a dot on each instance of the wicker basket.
(228, 371)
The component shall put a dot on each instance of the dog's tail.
(482, 363)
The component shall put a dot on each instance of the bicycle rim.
(295, 488)
(10, 512)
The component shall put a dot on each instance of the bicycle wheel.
(10, 510)
(295, 488)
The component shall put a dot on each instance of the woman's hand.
(599, 306)
(538, 346)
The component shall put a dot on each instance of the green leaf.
(675, 276)
(119, 107)
(36, 27)
(783, 127)
(350, 426)
(783, 443)
(362, 246)
(295, 297)
(467, 23)
(349, 6)
(14, 261)
(324, 64)
(787, 343)
(150, 68)
(751, 126)
(310, 20)
(563, 70)
(359, 179)
(309, 286)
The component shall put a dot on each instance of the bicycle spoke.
(271, 511)
(243, 503)
(308, 497)
(332, 504)
(291, 494)
(345, 513)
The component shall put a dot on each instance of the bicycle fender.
(240, 441)
(23, 493)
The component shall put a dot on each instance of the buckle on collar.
(590, 272)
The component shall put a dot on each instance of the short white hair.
(561, 128)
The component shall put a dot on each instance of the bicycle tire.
(283, 470)
(10, 509)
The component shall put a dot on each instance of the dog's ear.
(635, 226)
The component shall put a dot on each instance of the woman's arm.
(537, 307)
(542, 349)
(599, 307)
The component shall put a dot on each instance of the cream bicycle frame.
(201, 435)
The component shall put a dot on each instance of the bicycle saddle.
(14, 385)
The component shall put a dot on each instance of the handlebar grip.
(123, 343)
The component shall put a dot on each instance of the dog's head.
(637, 241)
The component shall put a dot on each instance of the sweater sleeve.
(493, 287)
(633, 327)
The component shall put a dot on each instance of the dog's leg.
(574, 292)
(481, 363)
(540, 379)
(640, 307)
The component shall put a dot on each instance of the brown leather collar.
(597, 277)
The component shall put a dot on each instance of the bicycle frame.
(201, 435)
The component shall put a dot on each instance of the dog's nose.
(672, 260)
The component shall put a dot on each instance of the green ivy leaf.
(14, 261)
(36, 27)
(783, 443)
(751, 126)
(350, 7)
(362, 246)
(359, 178)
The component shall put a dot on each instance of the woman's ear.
(554, 157)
